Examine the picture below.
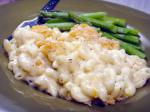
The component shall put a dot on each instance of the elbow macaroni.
(77, 65)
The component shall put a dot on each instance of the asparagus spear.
(113, 28)
(127, 31)
(117, 21)
(127, 38)
(94, 14)
(102, 24)
(56, 20)
(62, 14)
(113, 38)
(132, 51)
(62, 26)
(77, 18)
(54, 14)
(128, 48)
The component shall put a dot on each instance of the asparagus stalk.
(127, 31)
(112, 28)
(62, 14)
(56, 20)
(127, 47)
(102, 24)
(132, 51)
(94, 14)
(117, 21)
(77, 19)
(134, 46)
(113, 38)
(127, 38)
(54, 14)
(62, 26)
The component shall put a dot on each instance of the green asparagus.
(54, 14)
(113, 38)
(56, 20)
(129, 31)
(94, 14)
(102, 24)
(132, 51)
(127, 38)
(117, 21)
(62, 26)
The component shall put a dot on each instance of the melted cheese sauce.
(79, 65)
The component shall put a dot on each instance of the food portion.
(82, 64)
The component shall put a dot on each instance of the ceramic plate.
(16, 96)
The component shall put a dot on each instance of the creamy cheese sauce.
(79, 65)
